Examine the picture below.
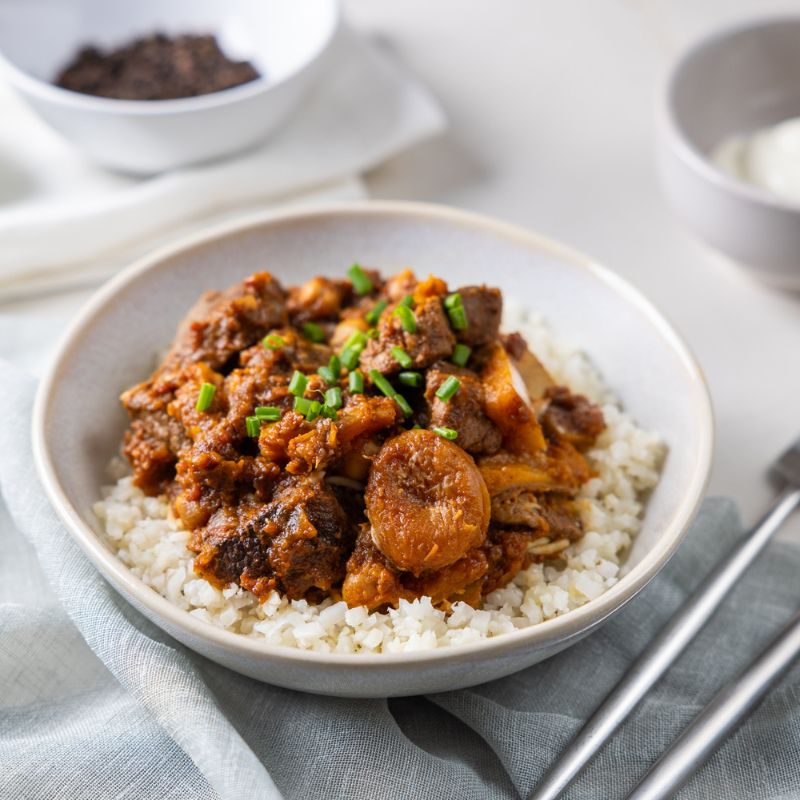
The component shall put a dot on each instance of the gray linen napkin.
(95, 702)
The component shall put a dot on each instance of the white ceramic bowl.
(286, 42)
(733, 82)
(115, 340)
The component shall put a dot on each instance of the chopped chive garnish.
(302, 406)
(335, 365)
(372, 333)
(355, 382)
(314, 409)
(268, 413)
(349, 358)
(298, 383)
(453, 301)
(446, 433)
(314, 332)
(374, 315)
(329, 411)
(458, 318)
(401, 357)
(382, 383)
(407, 301)
(404, 406)
(357, 341)
(326, 373)
(333, 397)
(253, 425)
(461, 354)
(273, 341)
(448, 388)
(205, 396)
(410, 379)
(407, 318)
(361, 283)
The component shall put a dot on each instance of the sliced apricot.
(426, 502)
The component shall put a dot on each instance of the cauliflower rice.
(150, 541)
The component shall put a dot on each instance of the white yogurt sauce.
(768, 158)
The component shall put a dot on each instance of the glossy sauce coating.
(364, 502)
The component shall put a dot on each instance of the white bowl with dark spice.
(321, 645)
(286, 44)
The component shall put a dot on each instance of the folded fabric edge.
(84, 594)
(93, 272)
(68, 240)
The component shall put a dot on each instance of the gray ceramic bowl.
(114, 341)
(733, 82)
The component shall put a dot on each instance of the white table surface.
(551, 111)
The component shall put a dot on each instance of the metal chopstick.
(664, 650)
(712, 725)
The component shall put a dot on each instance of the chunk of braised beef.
(432, 340)
(571, 418)
(562, 517)
(148, 446)
(313, 536)
(292, 351)
(229, 547)
(327, 299)
(297, 543)
(223, 323)
(208, 430)
(549, 514)
(517, 506)
(506, 553)
(463, 412)
(208, 482)
(154, 439)
(247, 390)
(484, 309)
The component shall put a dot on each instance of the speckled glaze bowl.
(114, 342)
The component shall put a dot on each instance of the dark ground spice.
(155, 67)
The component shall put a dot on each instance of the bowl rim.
(557, 629)
(50, 93)
(686, 149)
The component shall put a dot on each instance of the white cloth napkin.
(96, 703)
(63, 219)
